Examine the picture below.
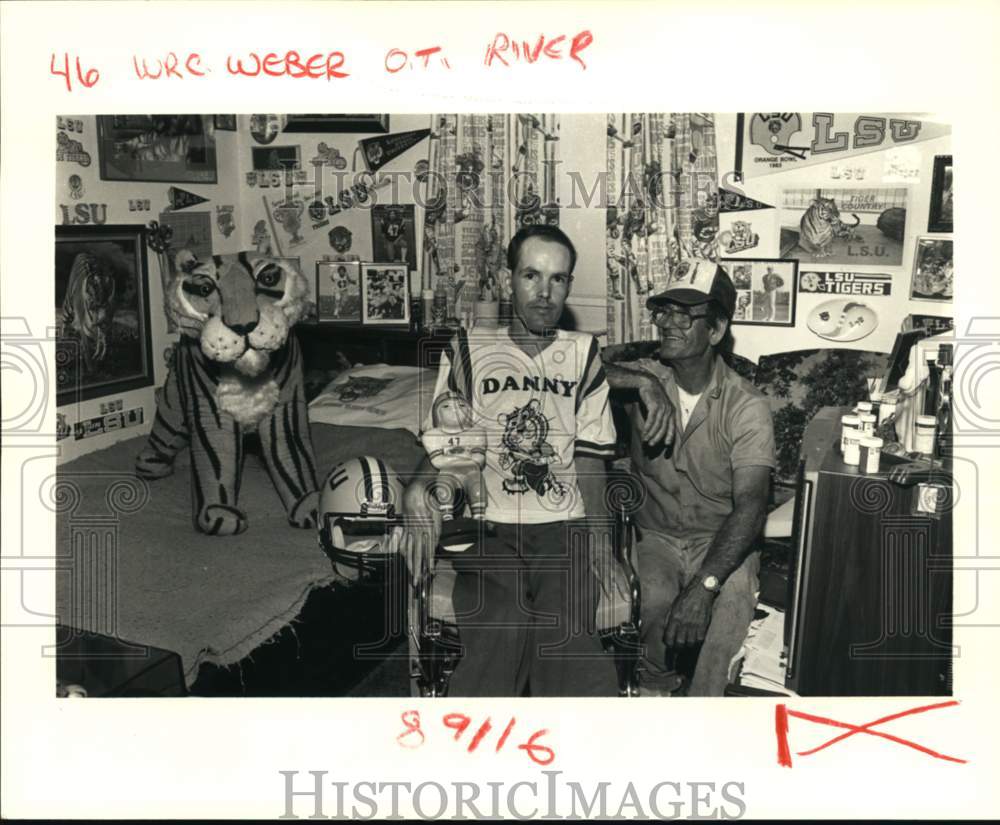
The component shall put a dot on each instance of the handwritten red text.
(289, 64)
(504, 48)
(413, 736)
(397, 59)
(86, 77)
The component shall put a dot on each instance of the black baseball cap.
(704, 281)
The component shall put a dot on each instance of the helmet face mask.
(359, 510)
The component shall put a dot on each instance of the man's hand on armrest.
(422, 531)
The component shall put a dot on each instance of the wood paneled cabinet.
(870, 603)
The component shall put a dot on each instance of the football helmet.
(360, 506)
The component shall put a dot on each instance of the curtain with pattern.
(662, 210)
(488, 174)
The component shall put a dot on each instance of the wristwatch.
(711, 584)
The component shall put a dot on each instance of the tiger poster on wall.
(858, 227)
(103, 342)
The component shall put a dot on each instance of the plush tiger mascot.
(237, 367)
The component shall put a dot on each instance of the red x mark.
(781, 714)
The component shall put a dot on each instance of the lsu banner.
(769, 142)
(845, 283)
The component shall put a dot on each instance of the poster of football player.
(394, 234)
(338, 291)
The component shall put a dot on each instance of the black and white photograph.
(765, 290)
(167, 148)
(102, 308)
(933, 270)
(385, 294)
(543, 422)
(834, 226)
(276, 158)
(338, 290)
(942, 198)
(394, 234)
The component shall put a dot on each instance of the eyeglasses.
(681, 319)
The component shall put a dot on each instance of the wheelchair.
(357, 527)
(434, 635)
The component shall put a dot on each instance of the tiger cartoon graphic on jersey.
(526, 453)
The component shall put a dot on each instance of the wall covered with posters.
(841, 207)
(331, 213)
(114, 176)
(833, 227)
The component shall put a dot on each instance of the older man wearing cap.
(704, 452)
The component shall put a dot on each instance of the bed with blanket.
(138, 570)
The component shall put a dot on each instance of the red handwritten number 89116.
(413, 735)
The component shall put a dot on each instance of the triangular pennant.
(730, 201)
(381, 149)
(182, 199)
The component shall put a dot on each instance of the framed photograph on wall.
(394, 236)
(156, 148)
(933, 270)
(338, 292)
(765, 290)
(270, 158)
(103, 344)
(385, 294)
(225, 123)
(337, 123)
(942, 201)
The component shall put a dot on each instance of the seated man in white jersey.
(525, 596)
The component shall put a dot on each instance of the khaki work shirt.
(690, 485)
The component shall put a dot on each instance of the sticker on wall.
(329, 156)
(730, 201)
(63, 430)
(76, 187)
(847, 173)
(317, 214)
(69, 124)
(379, 150)
(265, 128)
(288, 214)
(261, 238)
(182, 199)
(139, 205)
(107, 423)
(225, 220)
(846, 283)
(340, 239)
(112, 406)
(902, 165)
(70, 150)
(738, 238)
(842, 226)
(85, 214)
(251, 178)
(842, 320)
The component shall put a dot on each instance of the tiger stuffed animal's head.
(239, 307)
